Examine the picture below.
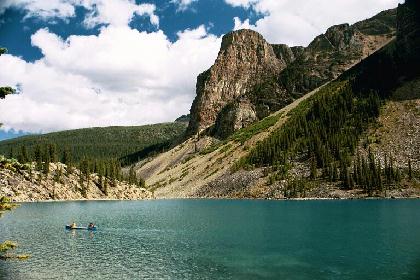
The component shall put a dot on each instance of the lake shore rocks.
(31, 185)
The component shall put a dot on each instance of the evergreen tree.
(84, 177)
(66, 159)
(6, 91)
(46, 167)
(132, 178)
(11, 154)
(141, 183)
(410, 171)
(23, 156)
(58, 174)
(314, 171)
(38, 157)
(52, 151)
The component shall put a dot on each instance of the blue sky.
(216, 15)
(84, 63)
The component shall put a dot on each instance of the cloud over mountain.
(120, 77)
(297, 22)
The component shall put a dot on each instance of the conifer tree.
(11, 154)
(410, 171)
(132, 178)
(141, 183)
(46, 161)
(58, 174)
(23, 157)
(66, 156)
(314, 171)
(38, 157)
(52, 152)
(46, 167)
(84, 176)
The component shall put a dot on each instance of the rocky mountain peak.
(337, 38)
(239, 37)
(248, 51)
(244, 59)
(340, 35)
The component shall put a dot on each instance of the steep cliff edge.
(245, 58)
(252, 79)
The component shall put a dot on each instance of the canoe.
(80, 228)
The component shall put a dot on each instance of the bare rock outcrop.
(245, 58)
(234, 116)
(335, 51)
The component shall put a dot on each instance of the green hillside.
(97, 143)
(325, 130)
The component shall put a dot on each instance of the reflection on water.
(201, 239)
(74, 233)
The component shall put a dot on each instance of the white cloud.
(297, 22)
(241, 3)
(114, 12)
(41, 8)
(238, 24)
(119, 77)
(183, 4)
(117, 12)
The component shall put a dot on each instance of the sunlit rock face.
(245, 58)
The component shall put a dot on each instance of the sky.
(89, 63)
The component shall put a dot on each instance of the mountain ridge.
(227, 99)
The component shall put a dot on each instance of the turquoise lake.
(216, 239)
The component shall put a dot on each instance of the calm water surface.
(211, 239)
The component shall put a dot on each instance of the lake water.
(214, 239)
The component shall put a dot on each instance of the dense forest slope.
(101, 143)
(321, 145)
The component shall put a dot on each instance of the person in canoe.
(73, 225)
(91, 226)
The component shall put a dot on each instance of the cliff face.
(251, 78)
(245, 58)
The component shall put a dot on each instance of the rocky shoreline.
(254, 185)
(233, 198)
(32, 186)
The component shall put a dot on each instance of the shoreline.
(222, 198)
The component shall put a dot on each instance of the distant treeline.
(110, 143)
